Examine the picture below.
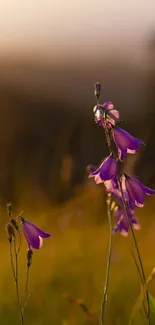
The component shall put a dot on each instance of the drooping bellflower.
(33, 234)
(125, 142)
(106, 173)
(136, 190)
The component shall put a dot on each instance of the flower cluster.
(116, 183)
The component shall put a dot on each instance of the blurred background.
(51, 54)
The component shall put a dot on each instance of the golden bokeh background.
(51, 54)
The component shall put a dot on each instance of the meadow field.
(68, 271)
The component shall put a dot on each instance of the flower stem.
(125, 205)
(12, 263)
(16, 283)
(26, 289)
(105, 293)
(20, 240)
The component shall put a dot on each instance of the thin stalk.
(27, 280)
(12, 263)
(20, 240)
(26, 288)
(137, 250)
(17, 285)
(108, 140)
(105, 293)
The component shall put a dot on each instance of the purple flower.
(112, 115)
(108, 105)
(33, 234)
(125, 142)
(136, 191)
(123, 222)
(116, 192)
(107, 173)
(109, 118)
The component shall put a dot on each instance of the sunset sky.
(74, 27)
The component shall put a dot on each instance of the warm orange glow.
(66, 28)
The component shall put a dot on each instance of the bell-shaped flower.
(106, 173)
(136, 191)
(33, 234)
(122, 221)
(125, 142)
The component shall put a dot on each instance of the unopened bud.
(14, 223)
(9, 209)
(29, 257)
(10, 232)
(97, 90)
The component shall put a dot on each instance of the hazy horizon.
(65, 30)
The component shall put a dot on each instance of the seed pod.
(10, 232)
(29, 257)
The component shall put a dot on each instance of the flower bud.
(9, 209)
(29, 257)
(97, 90)
(14, 223)
(10, 232)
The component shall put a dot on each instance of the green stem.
(12, 264)
(26, 289)
(17, 285)
(105, 293)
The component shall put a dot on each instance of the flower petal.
(135, 224)
(106, 171)
(40, 241)
(34, 230)
(148, 190)
(135, 191)
(33, 234)
(108, 105)
(98, 179)
(125, 141)
(96, 171)
(33, 240)
(122, 220)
